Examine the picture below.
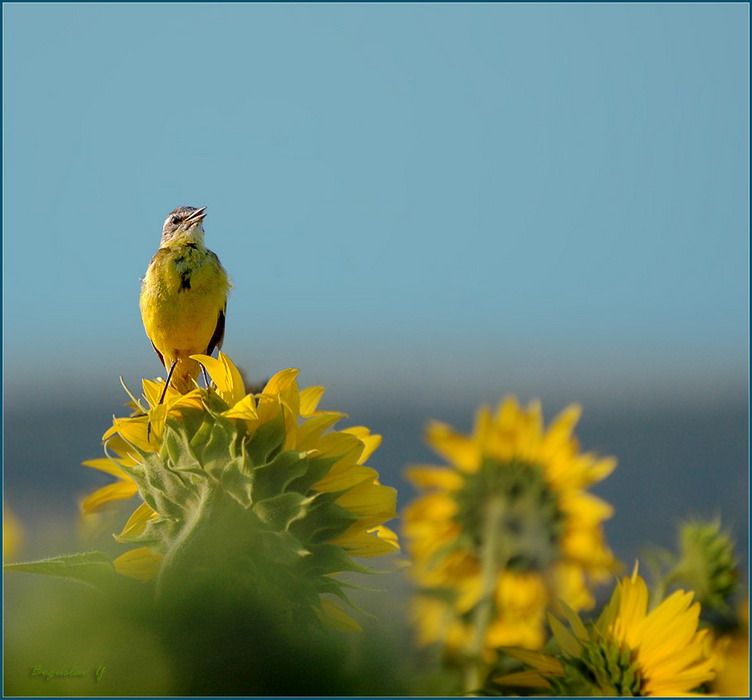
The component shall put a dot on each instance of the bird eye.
(175, 220)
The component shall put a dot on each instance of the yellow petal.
(106, 465)
(560, 430)
(601, 469)
(141, 564)
(281, 380)
(309, 399)
(341, 444)
(453, 446)
(585, 507)
(311, 430)
(370, 441)
(107, 494)
(284, 386)
(345, 477)
(435, 478)
(374, 503)
(137, 522)
(225, 376)
(370, 543)
(291, 428)
(134, 430)
(122, 449)
(245, 409)
(267, 407)
(669, 627)
(386, 534)
(191, 399)
(633, 603)
(430, 509)
(152, 391)
(506, 415)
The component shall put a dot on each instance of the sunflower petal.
(141, 564)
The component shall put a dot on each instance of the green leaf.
(540, 662)
(280, 511)
(324, 520)
(329, 559)
(156, 531)
(237, 483)
(178, 447)
(273, 478)
(218, 449)
(267, 440)
(280, 548)
(93, 568)
(575, 622)
(165, 489)
(201, 436)
(318, 468)
(189, 420)
(567, 641)
(214, 404)
(327, 584)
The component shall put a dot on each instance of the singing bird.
(184, 298)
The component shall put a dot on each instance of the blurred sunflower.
(628, 651)
(705, 562)
(12, 534)
(256, 488)
(731, 655)
(504, 530)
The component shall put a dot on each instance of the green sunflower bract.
(258, 489)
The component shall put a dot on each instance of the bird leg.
(206, 378)
(161, 398)
(167, 383)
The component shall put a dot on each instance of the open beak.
(196, 216)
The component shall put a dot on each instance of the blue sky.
(417, 197)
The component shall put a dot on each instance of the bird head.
(184, 224)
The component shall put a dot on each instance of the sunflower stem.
(492, 561)
(171, 569)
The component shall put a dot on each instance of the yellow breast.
(183, 293)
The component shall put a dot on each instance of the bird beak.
(196, 216)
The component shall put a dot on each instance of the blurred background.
(423, 207)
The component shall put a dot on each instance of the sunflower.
(504, 529)
(628, 651)
(258, 488)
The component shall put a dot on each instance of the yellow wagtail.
(184, 298)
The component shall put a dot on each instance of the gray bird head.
(184, 223)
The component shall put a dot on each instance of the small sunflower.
(504, 529)
(258, 487)
(629, 651)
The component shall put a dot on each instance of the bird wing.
(219, 332)
(159, 354)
